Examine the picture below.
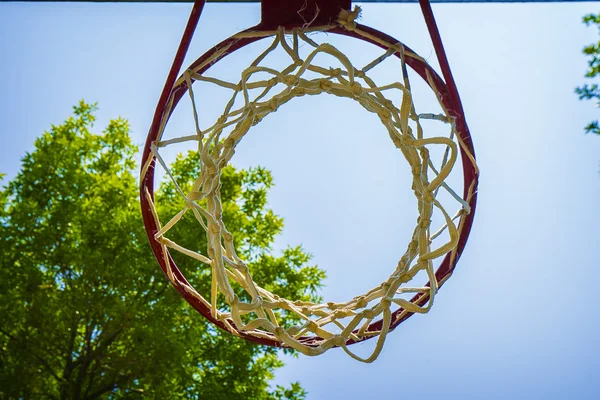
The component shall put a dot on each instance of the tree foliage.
(86, 313)
(591, 91)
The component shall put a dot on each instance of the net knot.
(279, 331)
(385, 114)
(229, 142)
(362, 302)
(299, 91)
(341, 313)
(250, 113)
(325, 84)
(242, 266)
(281, 303)
(427, 196)
(291, 80)
(335, 72)
(312, 326)
(195, 196)
(356, 89)
(406, 139)
(338, 340)
(232, 299)
(273, 104)
(348, 18)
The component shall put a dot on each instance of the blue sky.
(519, 318)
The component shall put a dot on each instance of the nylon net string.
(261, 90)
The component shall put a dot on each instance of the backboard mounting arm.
(298, 13)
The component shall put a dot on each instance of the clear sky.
(519, 318)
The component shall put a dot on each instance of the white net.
(261, 90)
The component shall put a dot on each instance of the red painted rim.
(469, 174)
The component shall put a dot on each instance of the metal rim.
(470, 179)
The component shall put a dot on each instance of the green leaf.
(87, 312)
(589, 92)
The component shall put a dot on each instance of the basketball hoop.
(287, 25)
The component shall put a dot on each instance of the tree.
(589, 92)
(86, 313)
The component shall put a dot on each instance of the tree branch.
(81, 374)
(109, 387)
(69, 365)
(39, 358)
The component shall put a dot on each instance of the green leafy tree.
(591, 91)
(86, 313)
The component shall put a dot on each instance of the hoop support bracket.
(298, 13)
